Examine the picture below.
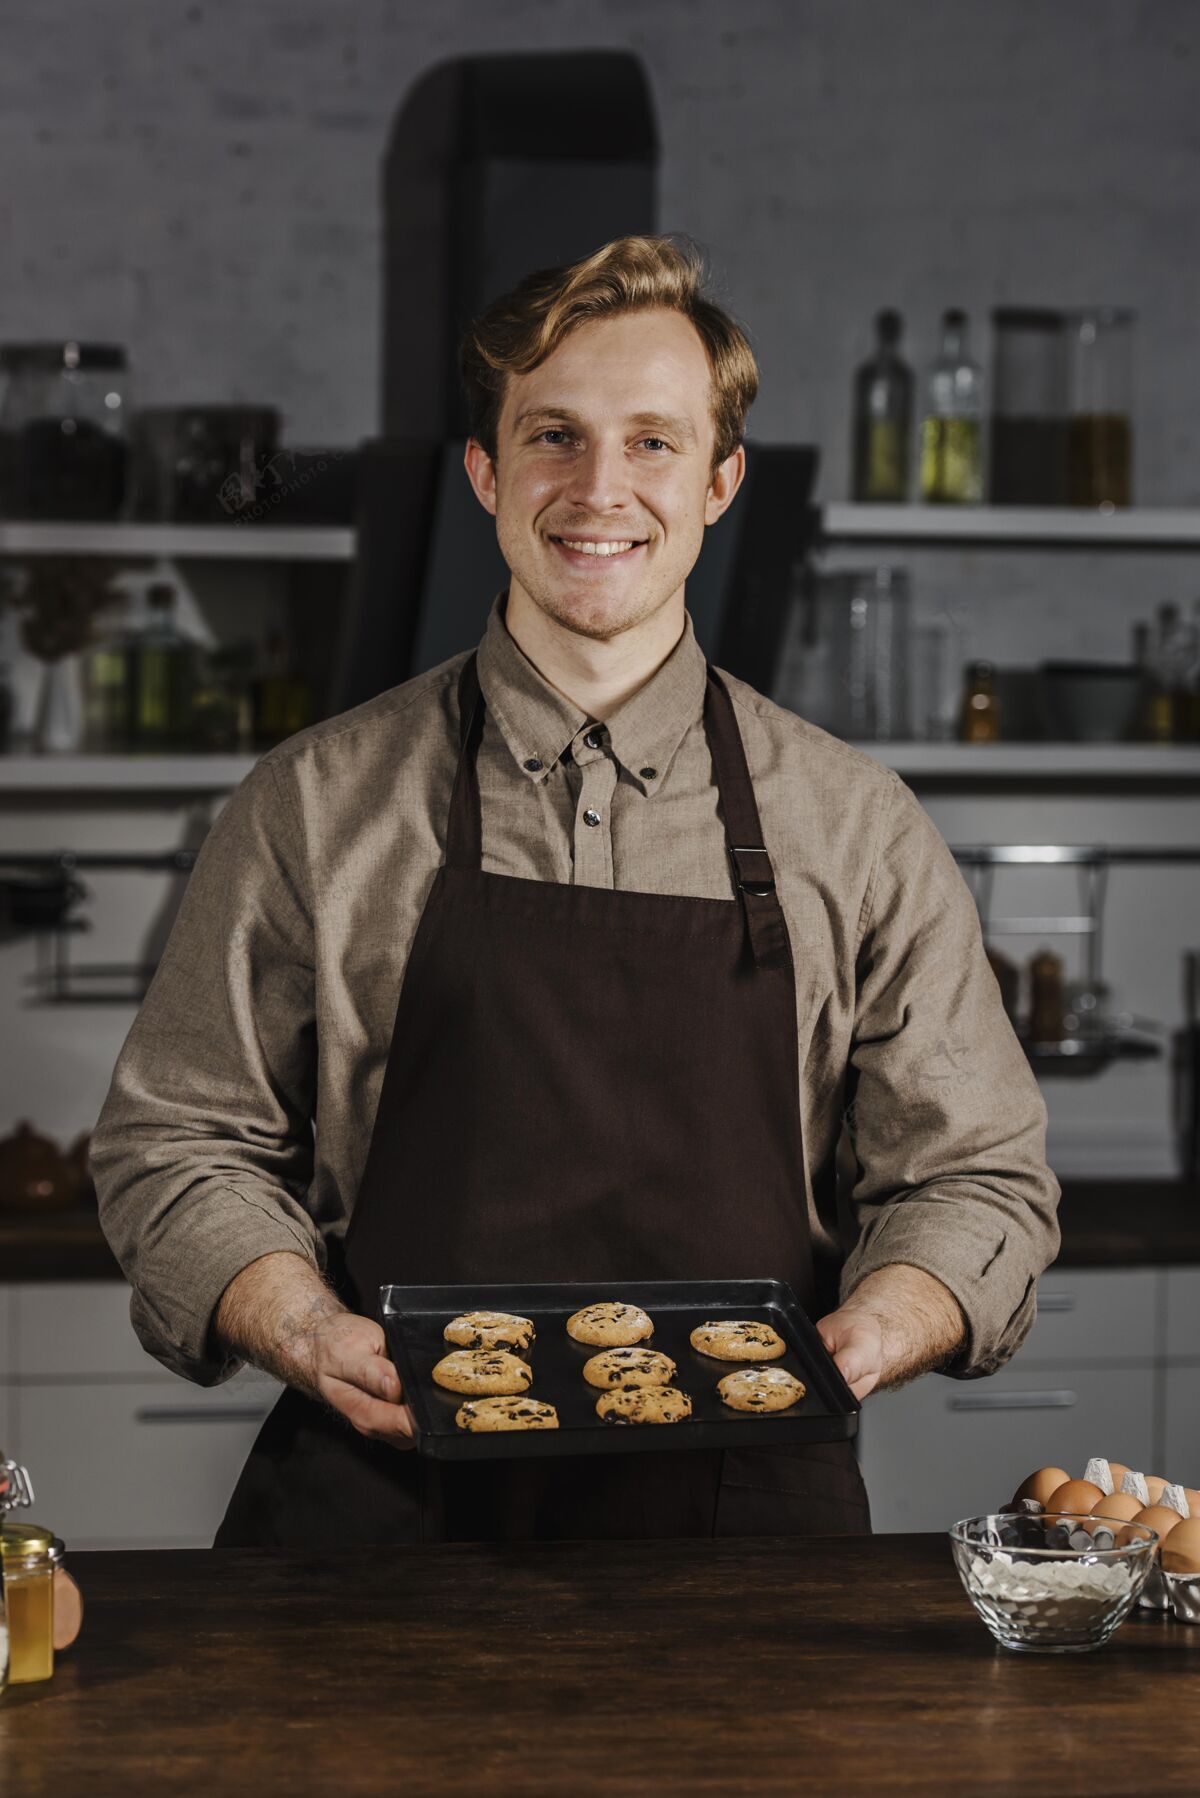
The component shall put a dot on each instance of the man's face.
(611, 437)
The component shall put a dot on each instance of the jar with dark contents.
(63, 450)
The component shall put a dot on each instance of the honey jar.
(28, 1558)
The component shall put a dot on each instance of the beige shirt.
(243, 1100)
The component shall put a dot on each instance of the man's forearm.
(269, 1313)
(922, 1322)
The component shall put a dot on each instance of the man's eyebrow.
(678, 426)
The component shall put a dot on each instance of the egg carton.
(1176, 1594)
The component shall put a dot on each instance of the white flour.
(1070, 1590)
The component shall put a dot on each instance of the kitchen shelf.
(127, 773)
(1131, 526)
(840, 522)
(976, 761)
(1040, 761)
(230, 542)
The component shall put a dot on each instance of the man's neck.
(595, 674)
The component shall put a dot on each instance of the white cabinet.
(78, 1329)
(141, 1463)
(943, 1449)
(1090, 1379)
(122, 1453)
(1097, 1314)
(1182, 1424)
(1183, 1313)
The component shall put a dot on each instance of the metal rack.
(1141, 1039)
(58, 980)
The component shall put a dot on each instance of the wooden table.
(825, 1665)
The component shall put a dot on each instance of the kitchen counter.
(846, 1664)
(1105, 1223)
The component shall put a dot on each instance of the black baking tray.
(414, 1318)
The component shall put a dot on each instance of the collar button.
(533, 764)
(594, 740)
(648, 773)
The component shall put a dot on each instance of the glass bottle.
(106, 691)
(952, 430)
(162, 677)
(1190, 707)
(282, 702)
(979, 716)
(883, 389)
(1046, 997)
(223, 720)
(7, 709)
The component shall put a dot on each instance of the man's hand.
(897, 1323)
(279, 1314)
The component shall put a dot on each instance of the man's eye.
(557, 431)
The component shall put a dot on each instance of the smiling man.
(577, 952)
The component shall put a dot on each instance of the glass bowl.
(1045, 1583)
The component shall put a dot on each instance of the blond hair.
(520, 329)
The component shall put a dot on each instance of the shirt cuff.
(990, 1272)
(172, 1307)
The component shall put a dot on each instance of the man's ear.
(481, 472)
(724, 485)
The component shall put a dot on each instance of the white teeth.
(595, 549)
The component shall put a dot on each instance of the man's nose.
(599, 479)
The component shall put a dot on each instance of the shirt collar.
(539, 723)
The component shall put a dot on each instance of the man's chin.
(595, 615)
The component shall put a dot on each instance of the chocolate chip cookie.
(737, 1339)
(627, 1368)
(650, 1404)
(483, 1370)
(761, 1389)
(610, 1325)
(490, 1330)
(507, 1414)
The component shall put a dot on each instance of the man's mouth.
(598, 549)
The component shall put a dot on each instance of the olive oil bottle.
(952, 428)
(883, 392)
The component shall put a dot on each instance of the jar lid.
(29, 1542)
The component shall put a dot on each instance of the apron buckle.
(760, 886)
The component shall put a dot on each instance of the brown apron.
(583, 1084)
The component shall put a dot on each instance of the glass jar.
(28, 1558)
(1100, 433)
(1029, 407)
(845, 662)
(62, 429)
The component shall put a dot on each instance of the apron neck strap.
(753, 875)
(464, 833)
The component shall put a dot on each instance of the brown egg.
(1193, 1499)
(1074, 1495)
(1122, 1507)
(1041, 1484)
(1158, 1517)
(1155, 1487)
(1181, 1551)
(1118, 1470)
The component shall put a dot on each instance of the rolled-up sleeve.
(203, 1152)
(946, 1119)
